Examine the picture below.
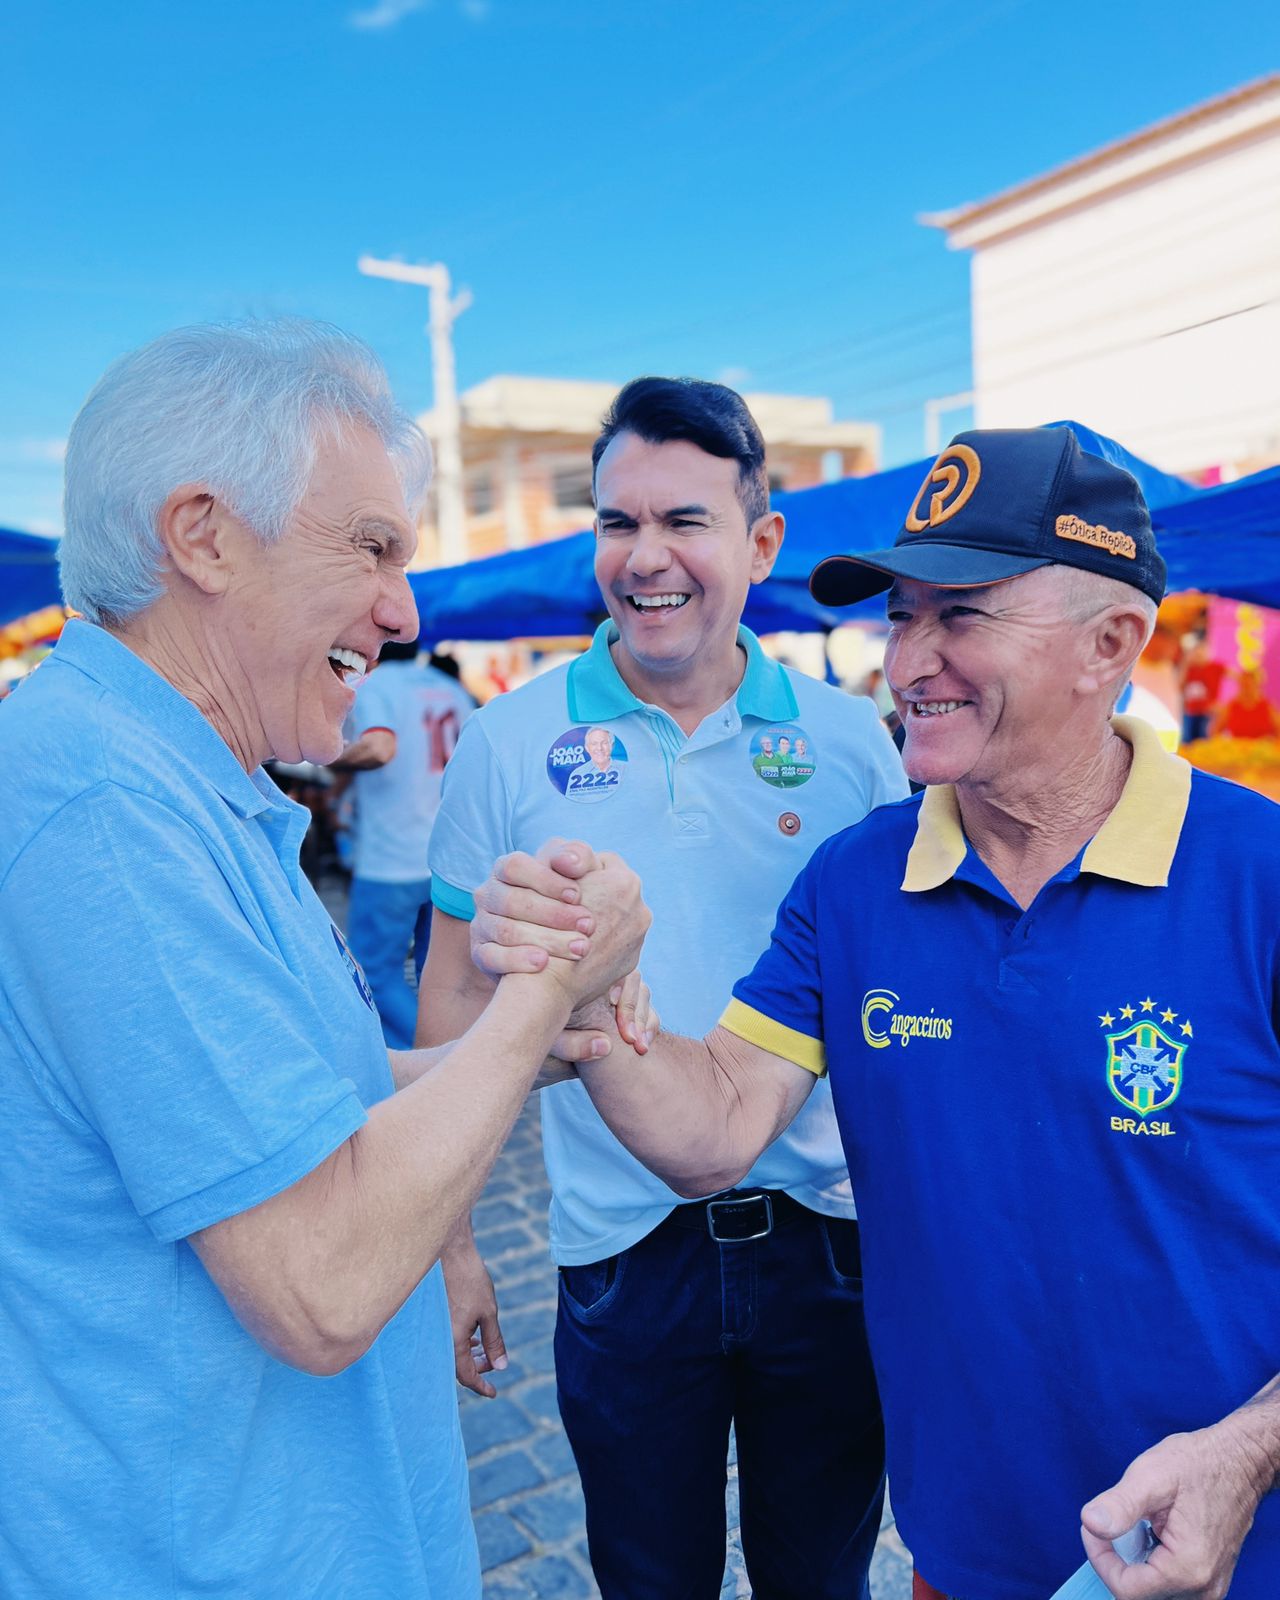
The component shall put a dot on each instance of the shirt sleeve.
(886, 781)
(372, 708)
(473, 825)
(153, 1004)
(779, 1005)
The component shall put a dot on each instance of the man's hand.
(473, 1314)
(531, 908)
(576, 915)
(1199, 1491)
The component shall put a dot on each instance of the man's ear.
(193, 527)
(766, 540)
(1114, 643)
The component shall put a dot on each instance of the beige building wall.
(1137, 290)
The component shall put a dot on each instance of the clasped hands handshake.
(579, 918)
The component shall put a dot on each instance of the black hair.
(395, 650)
(709, 415)
(442, 661)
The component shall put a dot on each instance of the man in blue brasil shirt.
(1046, 992)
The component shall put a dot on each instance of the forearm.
(693, 1110)
(348, 1243)
(1256, 1429)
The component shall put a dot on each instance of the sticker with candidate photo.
(783, 757)
(587, 763)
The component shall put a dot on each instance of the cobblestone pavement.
(524, 1490)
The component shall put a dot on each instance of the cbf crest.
(1145, 1059)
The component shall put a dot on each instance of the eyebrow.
(612, 514)
(394, 535)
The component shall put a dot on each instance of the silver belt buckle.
(745, 1238)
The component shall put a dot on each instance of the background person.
(228, 1369)
(402, 731)
(1248, 714)
(676, 1321)
(1045, 994)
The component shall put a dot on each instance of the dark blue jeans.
(660, 1348)
(383, 920)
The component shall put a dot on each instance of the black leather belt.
(734, 1218)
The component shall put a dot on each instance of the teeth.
(937, 708)
(354, 665)
(652, 602)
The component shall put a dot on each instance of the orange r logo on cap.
(954, 487)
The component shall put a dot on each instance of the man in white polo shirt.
(677, 1320)
(401, 732)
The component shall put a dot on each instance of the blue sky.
(720, 189)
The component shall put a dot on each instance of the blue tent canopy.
(28, 574)
(549, 589)
(1226, 540)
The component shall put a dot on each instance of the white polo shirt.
(396, 804)
(717, 824)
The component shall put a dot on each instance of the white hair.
(239, 408)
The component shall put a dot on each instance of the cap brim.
(843, 580)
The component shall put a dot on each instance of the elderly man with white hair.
(1047, 993)
(228, 1368)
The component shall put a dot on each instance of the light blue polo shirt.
(1063, 1124)
(182, 1035)
(717, 824)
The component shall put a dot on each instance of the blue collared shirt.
(1063, 1126)
(717, 823)
(182, 1035)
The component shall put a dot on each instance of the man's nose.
(911, 655)
(396, 610)
(649, 551)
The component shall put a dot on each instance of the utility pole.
(445, 310)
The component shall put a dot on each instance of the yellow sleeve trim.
(775, 1037)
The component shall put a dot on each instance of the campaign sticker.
(353, 967)
(587, 764)
(783, 757)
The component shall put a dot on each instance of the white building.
(1137, 289)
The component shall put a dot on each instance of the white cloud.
(386, 13)
(389, 13)
(44, 452)
(733, 377)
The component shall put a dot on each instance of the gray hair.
(239, 408)
(1085, 594)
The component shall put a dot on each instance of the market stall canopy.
(28, 574)
(549, 589)
(1226, 541)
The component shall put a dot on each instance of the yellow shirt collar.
(1136, 843)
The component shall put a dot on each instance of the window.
(571, 487)
(480, 494)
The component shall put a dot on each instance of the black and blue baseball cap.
(999, 502)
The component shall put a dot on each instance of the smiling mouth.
(937, 708)
(348, 666)
(647, 603)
